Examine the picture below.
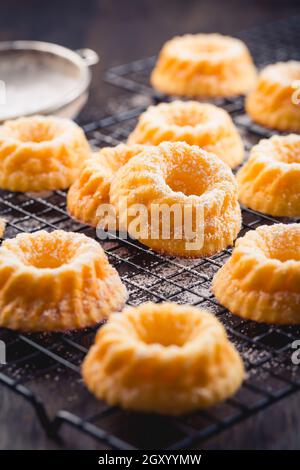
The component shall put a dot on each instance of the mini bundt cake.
(204, 65)
(40, 153)
(91, 188)
(177, 199)
(270, 180)
(195, 123)
(273, 102)
(261, 280)
(163, 358)
(56, 281)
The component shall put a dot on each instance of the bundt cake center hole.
(283, 247)
(48, 257)
(286, 254)
(185, 117)
(166, 335)
(288, 153)
(36, 133)
(47, 261)
(207, 48)
(186, 182)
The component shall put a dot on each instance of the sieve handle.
(89, 56)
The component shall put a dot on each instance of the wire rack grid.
(44, 369)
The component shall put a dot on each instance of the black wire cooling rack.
(45, 368)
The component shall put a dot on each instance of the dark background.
(124, 30)
(121, 31)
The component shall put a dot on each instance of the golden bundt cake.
(204, 65)
(56, 281)
(40, 153)
(177, 199)
(273, 102)
(261, 280)
(163, 358)
(195, 123)
(270, 180)
(91, 188)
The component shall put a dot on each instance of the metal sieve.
(43, 78)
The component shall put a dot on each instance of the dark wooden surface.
(121, 31)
